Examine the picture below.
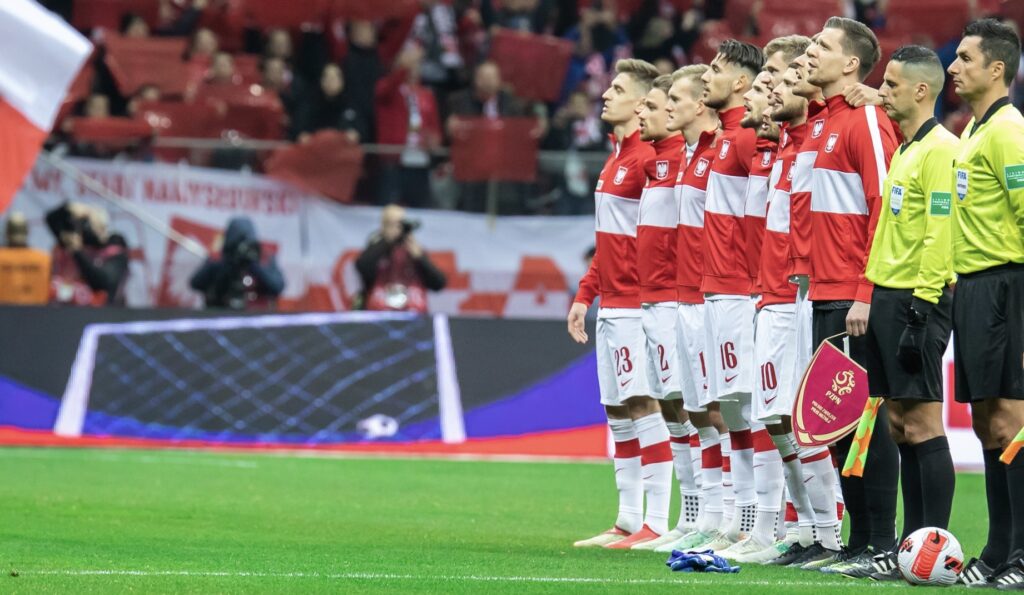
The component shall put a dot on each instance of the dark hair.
(998, 42)
(859, 41)
(742, 54)
(925, 63)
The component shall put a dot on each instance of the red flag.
(44, 55)
(499, 149)
(329, 164)
(534, 65)
(831, 397)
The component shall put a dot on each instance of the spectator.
(24, 271)
(204, 44)
(241, 279)
(279, 45)
(222, 70)
(434, 30)
(599, 40)
(486, 99)
(395, 271)
(521, 15)
(329, 108)
(407, 116)
(575, 128)
(90, 266)
(97, 105)
(276, 77)
(133, 25)
(362, 69)
(145, 94)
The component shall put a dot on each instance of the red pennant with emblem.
(831, 397)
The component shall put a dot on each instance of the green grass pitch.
(112, 521)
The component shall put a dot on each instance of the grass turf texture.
(103, 521)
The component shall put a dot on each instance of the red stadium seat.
(820, 10)
(941, 20)
(772, 25)
(289, 15)
(157, 61)
(248, 66)
(106, 130)
(87, 14)
(369, 10)
(180, 119)
(712, 34)
(249, 110)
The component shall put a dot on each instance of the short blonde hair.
(663, 83)
(641, 71)
(791, 46)
(692, 73)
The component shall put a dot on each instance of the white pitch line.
(374, 576)
(127, 456)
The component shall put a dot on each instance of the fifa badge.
(896, 199)
(961, 183)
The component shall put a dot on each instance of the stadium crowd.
(335, 73)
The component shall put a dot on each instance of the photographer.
(239, 280)
(395, 270)
(90, 266)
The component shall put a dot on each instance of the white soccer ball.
(931, 556)
(378, 426)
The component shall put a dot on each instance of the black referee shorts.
(830, 319)
(988, 334)
(886, 377)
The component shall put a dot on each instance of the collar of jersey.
(995, 107)
(921, 133)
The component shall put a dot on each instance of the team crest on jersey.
(661, 170)
(819, 125)
(789, 174)
(766, 158)
(725, 149)
(620, 174)
(701, 167)
(600, 184)
(679, 176)
(831, 142)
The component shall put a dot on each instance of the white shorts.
(803, 338)
(659, 322)
(775, 361)
(622, 368)
(693, 377)
(729, 339)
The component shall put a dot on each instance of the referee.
(988, 307)
(911, 265)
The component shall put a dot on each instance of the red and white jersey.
(726, 270)
(800, 198)
(764, 173)
(691, 187)
(773, 277)
(613, 273)
(846, 196)
(656, 226)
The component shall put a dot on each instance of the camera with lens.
(247, 252)
(409, 226)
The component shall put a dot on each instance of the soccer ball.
(378, 426)
(931, 556)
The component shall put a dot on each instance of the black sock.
(938, 481)
(997, 548)
(853, 499)
(1015, 492)
(881, 483)
(910, 488)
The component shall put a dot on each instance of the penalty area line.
(381, 576)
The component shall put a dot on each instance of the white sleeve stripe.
(876, 144)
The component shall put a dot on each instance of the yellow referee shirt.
(988, 205)
(913, 247)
